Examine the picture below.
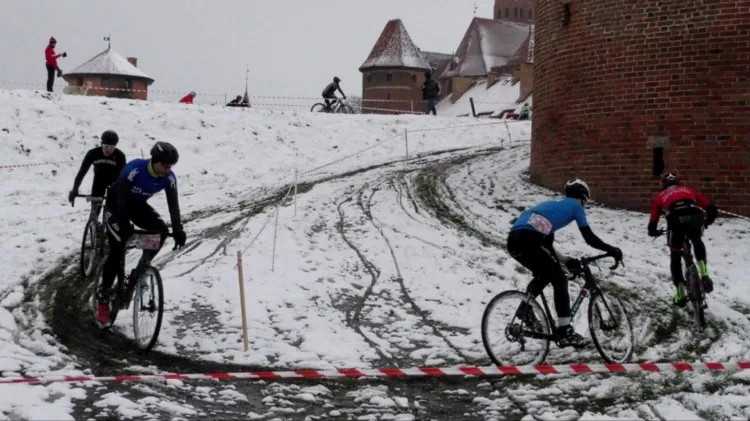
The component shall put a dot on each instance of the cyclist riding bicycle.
(329, 93)
(530, 242)
(687, 212)
(108, 161)
(126, 203)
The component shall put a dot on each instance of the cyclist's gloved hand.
(72, 197)
(179, 239)
(573, 265)
(616, 253)
(654, 233)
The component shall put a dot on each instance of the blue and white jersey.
(141, 182)
(548, 217)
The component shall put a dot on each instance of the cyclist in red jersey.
(687, 212)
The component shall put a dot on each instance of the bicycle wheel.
(345, 109)
(695, 293)
(148, 308)
(89, 248)
(507, 339)
(611, 331)
(318, 108)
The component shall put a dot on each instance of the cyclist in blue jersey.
(530, 242)
(126, 203)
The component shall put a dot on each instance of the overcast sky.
(292, 47)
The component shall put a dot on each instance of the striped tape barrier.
(489, 371)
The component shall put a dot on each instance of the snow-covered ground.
(500, 96)
(380, 262)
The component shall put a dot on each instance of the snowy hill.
(386, 263)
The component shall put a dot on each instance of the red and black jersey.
(676, 196)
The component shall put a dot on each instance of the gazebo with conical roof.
(393, 73)
(112, 75)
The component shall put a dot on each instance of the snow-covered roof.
(394, 48)
(502, 95)
(489, 44)
(108, 62)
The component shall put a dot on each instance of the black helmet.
(577, 189)
(336, 79)
(110, 138)
(165, 153)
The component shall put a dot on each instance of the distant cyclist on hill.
(329, 93)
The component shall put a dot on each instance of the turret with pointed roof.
(394, 72)
(395, 49)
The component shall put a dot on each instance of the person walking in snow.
(188, 99)
(51, 62)
(430, 92)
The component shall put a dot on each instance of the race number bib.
(540, 223)
(148, 242)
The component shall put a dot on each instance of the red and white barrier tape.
(401, 373)
(734, 214)
(35, 165)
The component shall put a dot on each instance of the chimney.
(133, 61)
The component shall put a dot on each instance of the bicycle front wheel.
(512, 340)
(148, 308)
(611, 331)
(318, 108)
(90, 248)
(345, 109)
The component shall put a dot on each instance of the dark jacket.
(430, 89)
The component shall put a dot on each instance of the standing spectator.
(238, 101)
(188, 99)
(525, 111)
(51, 62)
(430, 92)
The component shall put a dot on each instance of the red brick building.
(521, 11)
(623, 89)
(109, 74)
(393, 74)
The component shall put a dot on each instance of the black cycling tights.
(535, 253)
(120, 229)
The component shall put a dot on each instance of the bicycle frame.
(590, 288)
(126, 285)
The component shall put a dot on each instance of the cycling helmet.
(165, 153)
(669, 178)
(577, 189)
(336, 79)
(110, 138)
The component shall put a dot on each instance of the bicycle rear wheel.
(695, 293)
(611, 331)
(148, 308)
(318, 108)
(508, 339)
(90, 248)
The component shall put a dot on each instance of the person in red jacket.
(188, 99)
(687, 212)
(51, 62)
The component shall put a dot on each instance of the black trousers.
(535, 252)
(119, 230)
(50, 77)
(681, 224)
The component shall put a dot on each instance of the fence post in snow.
(473, 111)
(242, 301)
(412, 106)
(275, 229)
(510, 138)
(406, 142)
(296, 172)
